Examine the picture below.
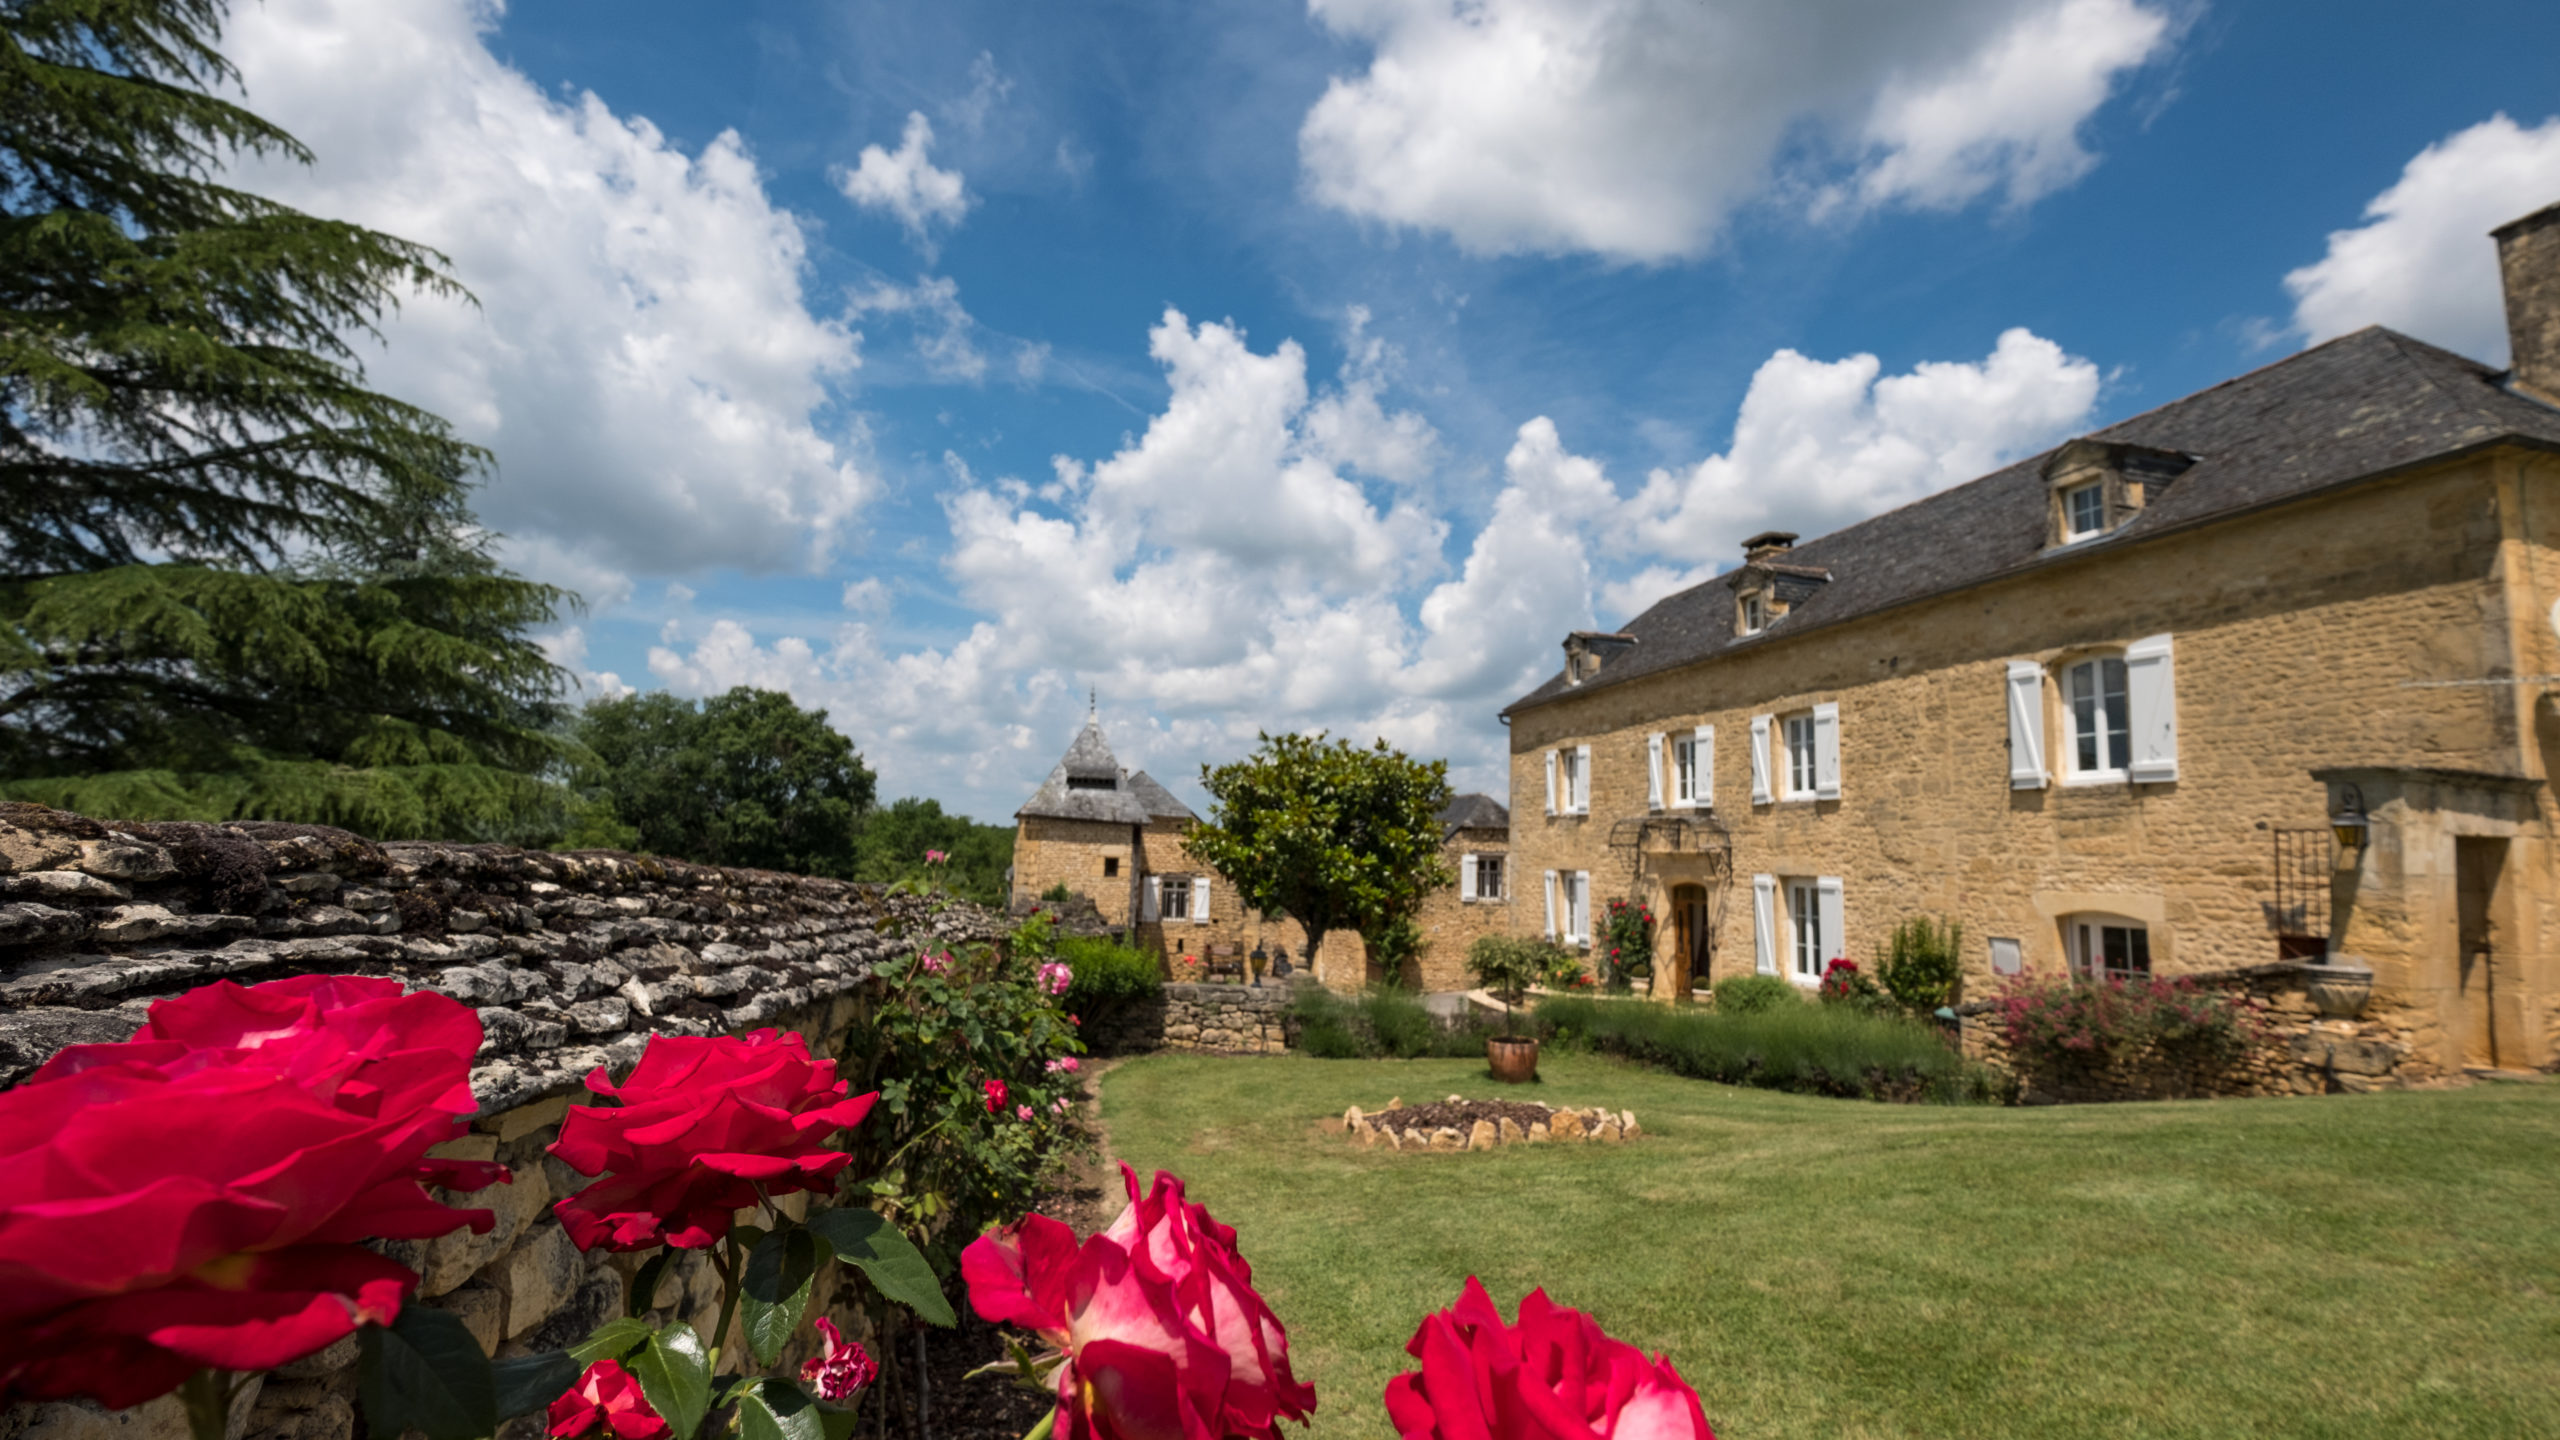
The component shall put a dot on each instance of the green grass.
(2351, 1266)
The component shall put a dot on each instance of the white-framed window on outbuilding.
(1480, 877)
(1171, 898)
(2108, 947)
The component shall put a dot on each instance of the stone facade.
(2360, 655)
(573, 961)
(1115, 836)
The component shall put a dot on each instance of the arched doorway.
(1693, 939)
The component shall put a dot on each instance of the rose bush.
(193, 1197)
(1556, 1375)
(706, 1126)
(1156, 1324)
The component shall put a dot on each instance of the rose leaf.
(776, 1410)
(776, 1293)
(675, 1373)
(425, 1372)
(529, 1382)
(863, 1239)
(610, 1341)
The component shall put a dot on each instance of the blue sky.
(1293, 365)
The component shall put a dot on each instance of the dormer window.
(1585, 651)
(2084, 511)
(2098, 486)
(1755, 613)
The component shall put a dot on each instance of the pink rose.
(842, 1370)
(705, 1124)
(607, 1400)
(1554, 1375)
(1162, 1330)
(193, 1197)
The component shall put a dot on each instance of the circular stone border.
(1567, 1125)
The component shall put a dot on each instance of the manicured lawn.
(2354, 1266)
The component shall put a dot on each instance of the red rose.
(1163, 1332)
(606, 1400)
(705, 1124)
(842, 1369)
(996, 1095)
(1555, 1375)
(192, 1197)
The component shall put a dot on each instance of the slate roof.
(1475, 812)
(2359, 407)
(1130, 798)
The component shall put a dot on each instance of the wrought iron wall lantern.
(2348, 822)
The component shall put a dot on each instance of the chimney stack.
(2529, 264)
(1769, 544)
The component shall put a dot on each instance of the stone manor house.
(2265, 673)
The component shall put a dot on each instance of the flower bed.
(1458, 1123)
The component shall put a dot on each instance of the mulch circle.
(1461, 1115)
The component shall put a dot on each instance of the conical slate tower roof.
(1091, 784)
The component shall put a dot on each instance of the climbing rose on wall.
(193, 1197)
(606, 1401)
(704, 1124)
(1554, 1375)
(1161, 1330)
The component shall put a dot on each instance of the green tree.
(896, 837)
(1335, 836)
(234, 581)
(747, 778)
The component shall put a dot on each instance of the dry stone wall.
(1230, 1019)
(573, 961)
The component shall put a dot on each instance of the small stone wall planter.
(2339, 988)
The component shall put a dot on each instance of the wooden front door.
(1692, 937)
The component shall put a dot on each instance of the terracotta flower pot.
(1514, 1062)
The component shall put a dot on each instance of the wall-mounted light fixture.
(2348, 822)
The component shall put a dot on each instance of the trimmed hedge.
(1381, 1024)
(1108, 976)
(1754, 994)
(1814, 1049)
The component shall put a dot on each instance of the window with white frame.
(1804, 926)
(1573, 771)
(2108, 947)
(2096, 706)
(1577, 907)
(2084, 511)
(1801, 746)
(1174, 897)
(1685, 758)
(1488, 884)
(1755, 613)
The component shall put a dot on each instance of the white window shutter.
(1653, 771)
(2026, 725)
(1581, 907)
(1835, 934)
(1551, 782)
(1153, 907)
(1760, 791)
(1703, 764)
(1466, 877)
(1551, 904)
(1826, 752)
(1764, 923)
(2151, 698)
(1581, 779)
(1200, 900)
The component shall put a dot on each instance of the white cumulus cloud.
(642, 359)
(1821, 444)
(2423, 262)
(906, 184)
(1632, 128)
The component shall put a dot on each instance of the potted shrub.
(1507, 968)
